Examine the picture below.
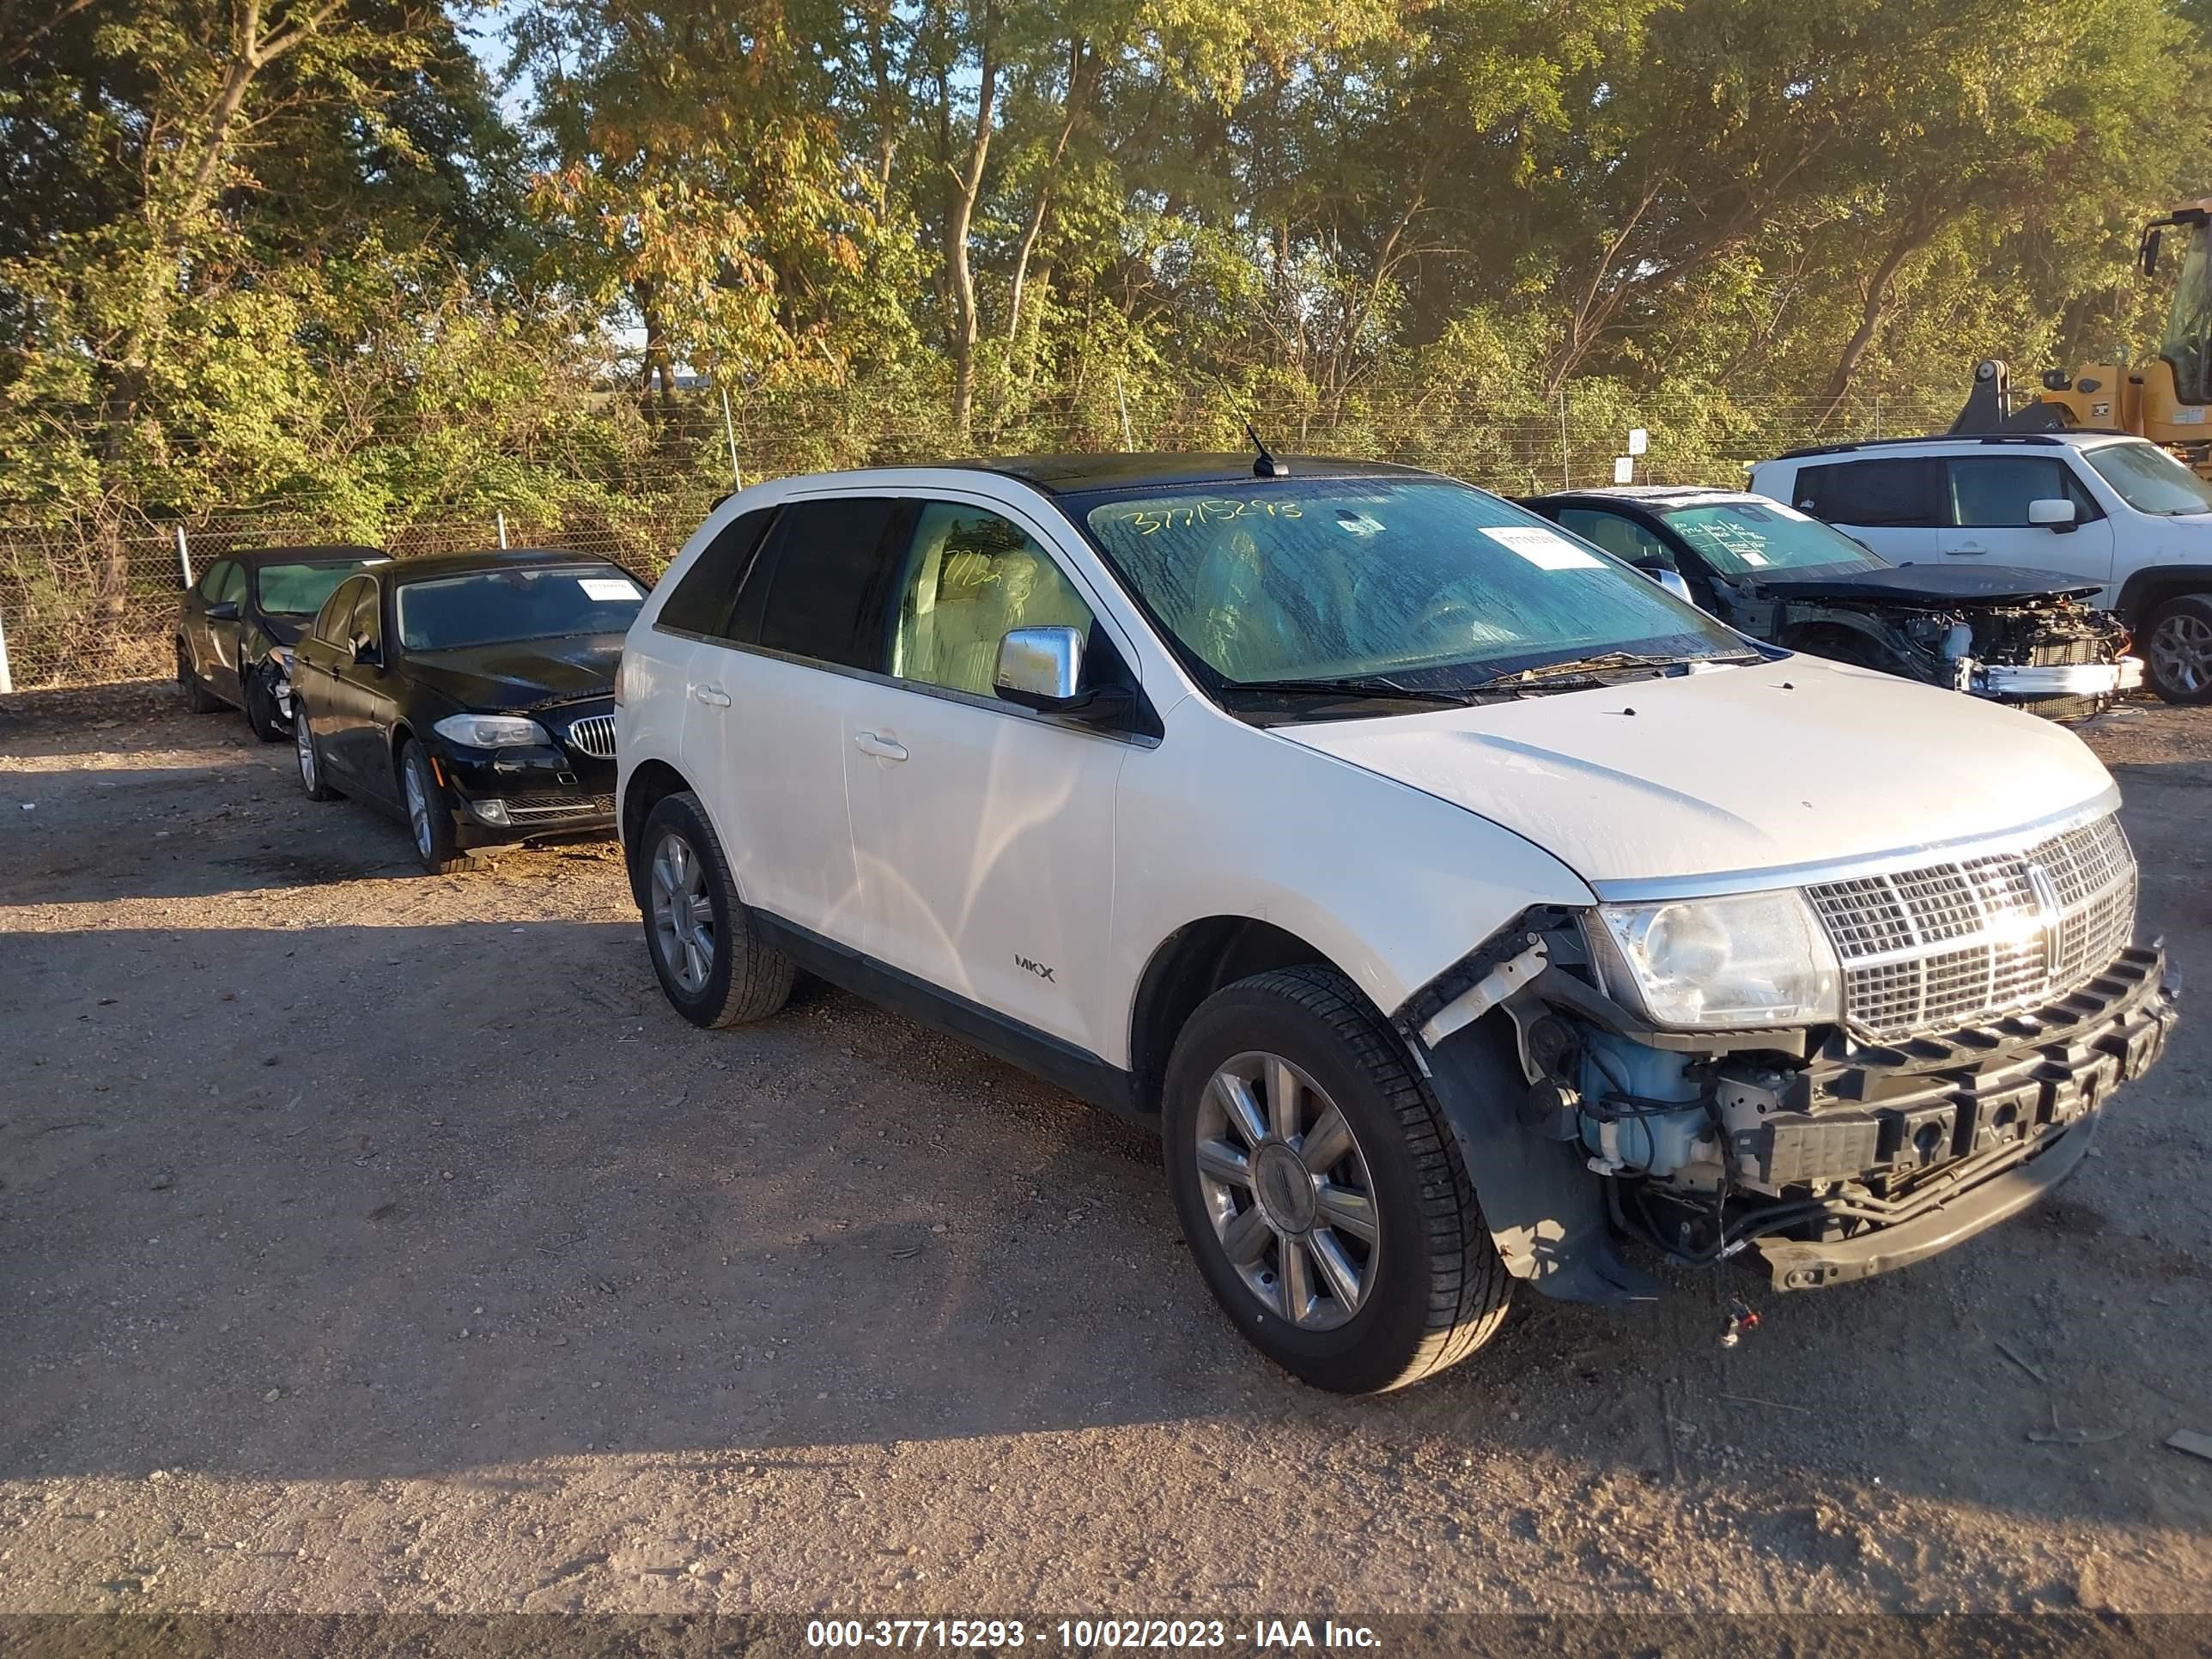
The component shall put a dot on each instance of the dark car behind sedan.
(238, 624)
(2027, 638)
(473, 694)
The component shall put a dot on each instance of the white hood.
(1732, 771)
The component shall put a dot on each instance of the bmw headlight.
(1751, 959)
(491, 730)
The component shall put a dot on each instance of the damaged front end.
(1984, 1009)
(2047, 652)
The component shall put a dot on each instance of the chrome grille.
(594, 735)
(1949, 944)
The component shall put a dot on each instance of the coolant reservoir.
(1958, 640)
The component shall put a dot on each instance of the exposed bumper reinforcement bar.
(1796, 1266)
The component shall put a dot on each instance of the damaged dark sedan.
(2016, 636)
(473, 694)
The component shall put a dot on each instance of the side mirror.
(2149, 256)
(367, 654)
(225, 611)
(2058, 515)
(1670, 579)
(1040, 667)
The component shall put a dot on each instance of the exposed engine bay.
(1834, 1152)
(2050, 654)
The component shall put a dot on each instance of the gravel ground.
(375, 1241)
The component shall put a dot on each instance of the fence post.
(502, 531)
(7, 679)
(1122, 399)
(730, 432)
(183, 557)
(1566, 482)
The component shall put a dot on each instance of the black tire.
(197, 697)
(429, 812)
(261, 717)
(2177, 650)
(1439, 1291)
(307, 756)
(743, 979)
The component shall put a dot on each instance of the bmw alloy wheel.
(1288, 1191)
(2180, 651)
(683, 913)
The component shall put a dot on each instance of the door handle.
(1968, 547)
(882, 748)
(713, 696)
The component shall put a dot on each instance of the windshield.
(1425, 580)
(2188, 342)
(489, 607)
(299, 590)
(2149, 480)
(1756, 538)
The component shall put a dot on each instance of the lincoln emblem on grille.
(2047, 911)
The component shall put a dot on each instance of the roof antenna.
(1266, 466)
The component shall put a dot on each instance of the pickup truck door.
(1989, 497)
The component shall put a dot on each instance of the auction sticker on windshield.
(1545, 548)
(607, 587)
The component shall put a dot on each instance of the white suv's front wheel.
(2178, 649)
(710, 961)
(1321, 1190)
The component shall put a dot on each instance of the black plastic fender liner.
(1545, 1209)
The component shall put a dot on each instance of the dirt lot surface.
(376, 1242)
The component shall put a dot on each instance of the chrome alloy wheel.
(303, 744)
(1287, 1188)
(2180, 651)
(683, 915)
(418, 807)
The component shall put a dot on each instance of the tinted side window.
(827, 595)
(972, 576)
(331, 620)
(702, 601)
(232, 587)
(1993, 491)
(1622, 536)
(1887, 492)
(214, 580)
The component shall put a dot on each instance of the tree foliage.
(304, 252)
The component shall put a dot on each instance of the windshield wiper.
(1590, 668)
(1359, 686)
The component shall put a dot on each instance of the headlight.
(491, 730)
(283, 655)
(1754, 959)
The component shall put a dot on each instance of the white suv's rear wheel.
(1321, 1189)
(711, 963)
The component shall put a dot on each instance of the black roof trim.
(493, 558)
(320, 552)
(1075, 474)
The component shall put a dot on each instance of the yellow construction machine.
(2166, 399)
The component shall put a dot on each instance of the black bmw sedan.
(471, 694)
(237, 625)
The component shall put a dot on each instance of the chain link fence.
(93, 599)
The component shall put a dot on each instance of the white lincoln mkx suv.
(1461, 903)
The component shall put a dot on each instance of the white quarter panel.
(649, 725)
(1737, 770)
(1391, 885)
